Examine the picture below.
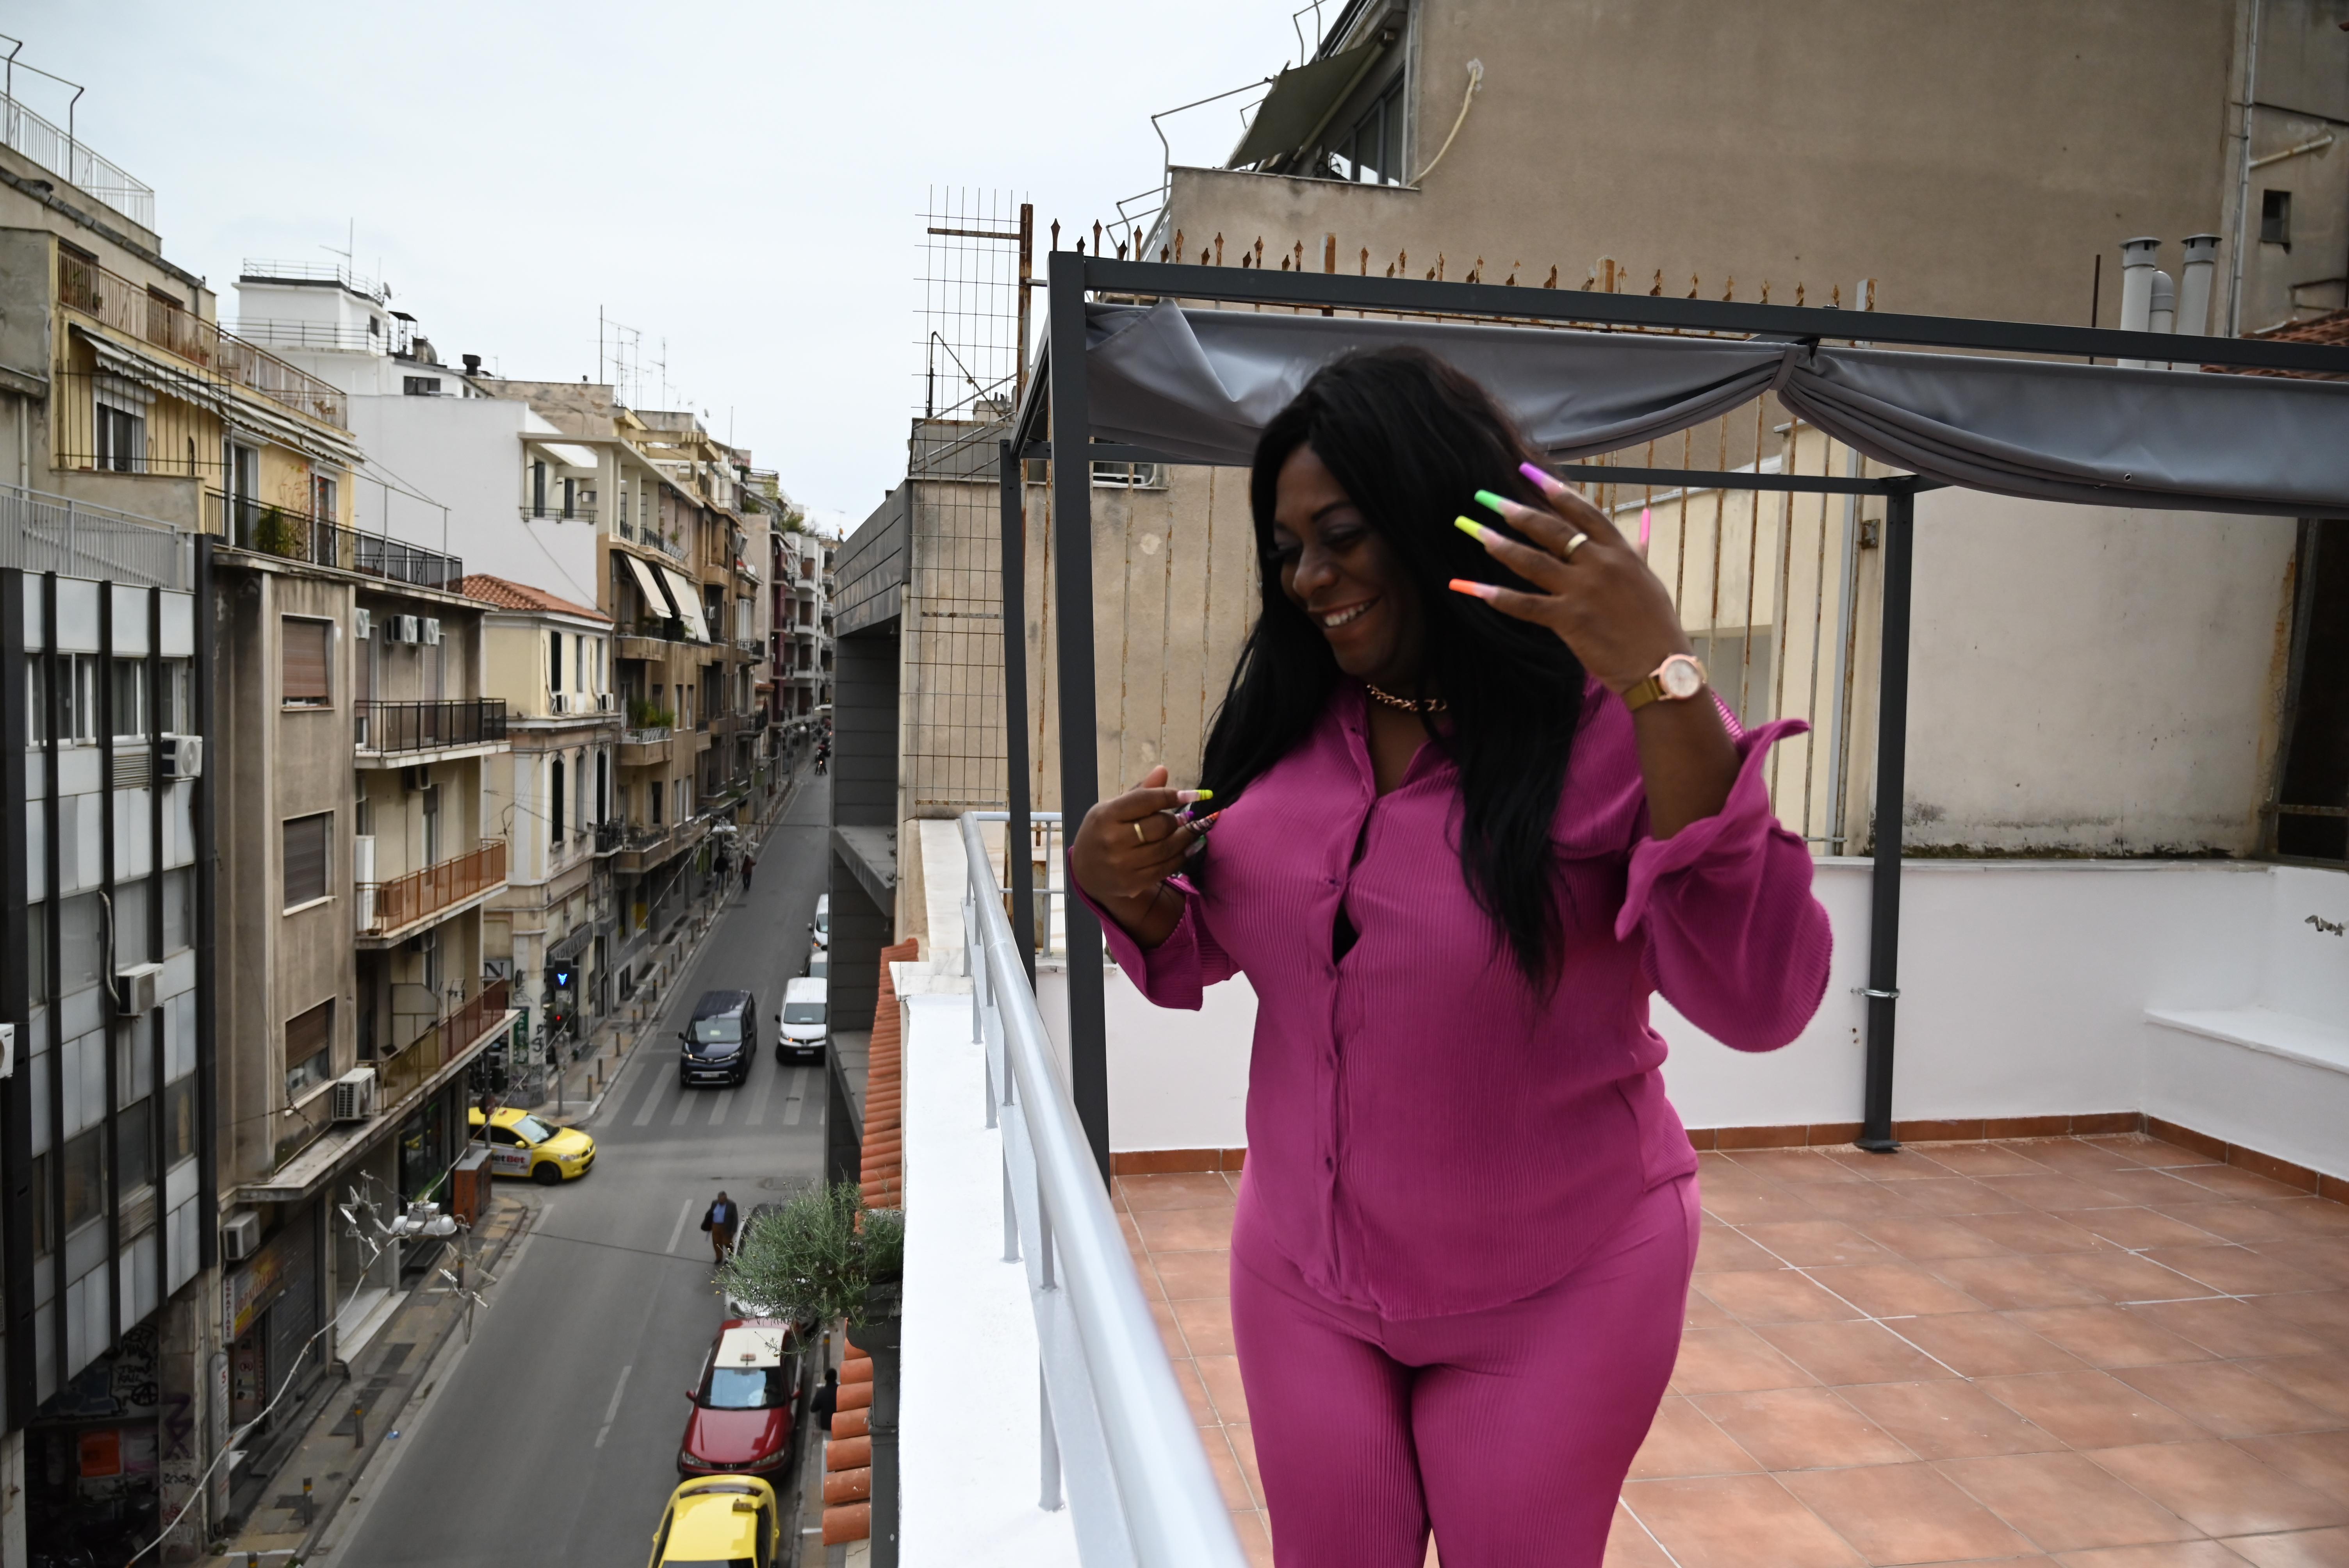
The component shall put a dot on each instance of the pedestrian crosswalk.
(657, 1090)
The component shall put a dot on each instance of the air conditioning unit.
(240, 1235)
(181, 757)
(404, 628)
(563, 702)
(432, 631)
(417, 778)
(363, 624)
(351, 1097)
(603, 702)
(134, 988)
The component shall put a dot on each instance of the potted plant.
(820, 1258)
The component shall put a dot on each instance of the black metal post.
(1014, 527)
(1883, 990)
(1073, 569)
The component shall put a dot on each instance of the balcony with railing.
(60, 152)
(389, 912)
(446, 1043)
(267, 530)
(136, 311)
(394, 733)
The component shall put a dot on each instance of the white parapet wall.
(2214, 994)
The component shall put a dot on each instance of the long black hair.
(1411, 440)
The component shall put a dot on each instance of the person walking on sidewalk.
(750, 864)
(827, 1398)
(721, 1222)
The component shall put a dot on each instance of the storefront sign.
(261, 1281)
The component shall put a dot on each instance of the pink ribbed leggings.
(1509, 1430)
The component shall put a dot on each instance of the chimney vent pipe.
(2195, 286)
(2136, 288)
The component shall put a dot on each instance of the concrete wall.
(2024, 986)
(2088, 679)
(1975, 161)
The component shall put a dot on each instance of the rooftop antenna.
(351, 243)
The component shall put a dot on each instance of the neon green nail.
(1498, 503)
(1470, 527)
(1203, 794)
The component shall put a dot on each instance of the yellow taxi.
(732, 1520)
(523, 1145)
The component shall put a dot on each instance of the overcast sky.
(742, 179)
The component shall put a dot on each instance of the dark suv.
(723, 1040)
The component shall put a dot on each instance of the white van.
(800, 1027)
(822, 925)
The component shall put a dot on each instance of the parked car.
(821, 925)
(523, 1145)
(802, 1025)
(746, 1402)
(730, 1520)
(819, 964)
(722, 1041)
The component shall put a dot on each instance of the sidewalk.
(334, 1452)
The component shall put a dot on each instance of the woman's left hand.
(1595, 591)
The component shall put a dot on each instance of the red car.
(745, 1403)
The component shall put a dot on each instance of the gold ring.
(1138, 837)
(1577, 542)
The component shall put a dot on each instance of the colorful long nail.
(1499, 503)
(1550, 483)
(1187, 796)
(1645, 523)
(1484, 590)
(1472, 528)
(1202, 825)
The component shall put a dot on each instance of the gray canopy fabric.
(1200, 384)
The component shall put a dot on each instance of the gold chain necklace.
(1431, 705)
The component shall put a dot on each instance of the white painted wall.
(466, 454)
(2024, 986)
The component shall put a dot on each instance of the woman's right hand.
(1124, 850)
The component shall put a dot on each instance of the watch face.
(1681, 677)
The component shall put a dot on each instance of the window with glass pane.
(81, 946)
(306, 840)
(130, 698)
(179, 1122)
(179, 910)
(134, 1125)
(82, 1173)
(309, 1050)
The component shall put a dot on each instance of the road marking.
(684, 1107)
(758, 1096)
(612, 1410)
(652, 1100)
(682, 1216)
(799, 1097)
(718, 1111)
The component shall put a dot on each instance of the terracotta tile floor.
(2095, 1352)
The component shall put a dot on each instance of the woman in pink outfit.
(1462, 831)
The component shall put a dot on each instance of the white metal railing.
(58, 151)
(43, 532)
(1115, 1427)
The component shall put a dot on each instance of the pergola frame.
(1058, 390)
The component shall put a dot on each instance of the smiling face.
(1337, 568)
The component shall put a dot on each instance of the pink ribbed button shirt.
(1427, 1134)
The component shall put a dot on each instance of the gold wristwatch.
(1677, 679)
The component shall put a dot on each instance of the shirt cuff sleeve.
(1169, 974)
(1729, 835)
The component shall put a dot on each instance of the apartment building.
(358, 741)
(558, 487)
(800, 616)
(551, 930)
(137, 427)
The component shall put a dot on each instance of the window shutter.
(306, 643)
(306, 857)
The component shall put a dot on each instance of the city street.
(556, 1437)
